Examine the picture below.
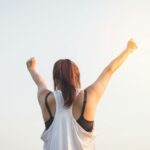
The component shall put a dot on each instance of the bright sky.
(91, 33)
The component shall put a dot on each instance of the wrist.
(31, 70)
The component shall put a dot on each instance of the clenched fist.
(31, 63)
(131, 45)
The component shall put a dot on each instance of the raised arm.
(97, 89)
(37, 78)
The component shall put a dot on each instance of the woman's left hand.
(31, 64)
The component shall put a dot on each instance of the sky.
(91, 33)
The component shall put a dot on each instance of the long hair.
(66, 74)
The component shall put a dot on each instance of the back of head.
(66, 75)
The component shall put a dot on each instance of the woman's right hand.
(31, 64)
(131, 45)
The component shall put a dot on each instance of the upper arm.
(41, 84)
(97, 89)
(42, 89)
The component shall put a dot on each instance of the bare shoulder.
(91, 97)
(81, 95)
(42, 96)
(50, 100)
(91, 105)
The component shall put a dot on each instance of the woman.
(68, 111)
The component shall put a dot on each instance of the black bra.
(85, 124)
(49, 122)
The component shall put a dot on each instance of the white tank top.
(65, 133)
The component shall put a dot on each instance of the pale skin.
(95, 90)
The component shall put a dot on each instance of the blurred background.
(91, 33)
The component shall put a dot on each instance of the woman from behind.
(69, 111)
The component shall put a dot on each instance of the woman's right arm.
(97, 89)
(38, 79)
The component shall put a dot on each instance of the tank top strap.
(84, 102)
(58, 99)
(46, 104)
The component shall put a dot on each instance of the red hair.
(66, 74)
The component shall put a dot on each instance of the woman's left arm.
(38, 79)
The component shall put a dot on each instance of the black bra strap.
(46, 103)
(84, 102)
